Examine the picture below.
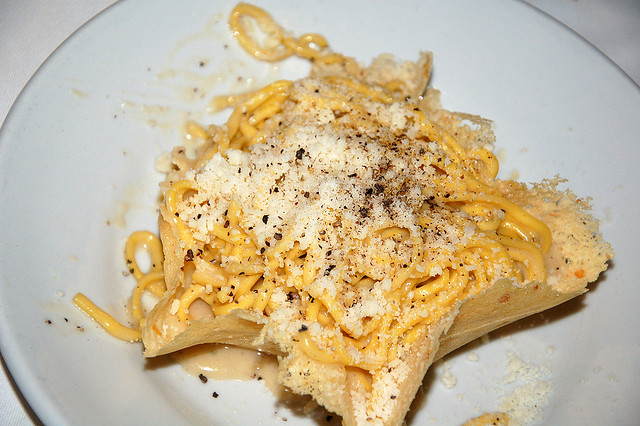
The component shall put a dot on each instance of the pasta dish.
(339, 221)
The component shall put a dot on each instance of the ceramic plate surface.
(77, 175)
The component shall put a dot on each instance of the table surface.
(31, 30)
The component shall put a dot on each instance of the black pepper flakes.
(303, 328)
(329, 269)
(215, 394)
(189, 256)
(277, 236)
(203, 378)
(265, 219)
(300, 153)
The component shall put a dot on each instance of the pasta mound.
(350, 211)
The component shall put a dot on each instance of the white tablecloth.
(31, 30)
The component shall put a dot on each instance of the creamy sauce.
(79, 94)
(220, 362)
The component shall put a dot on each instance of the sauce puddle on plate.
(220, 362)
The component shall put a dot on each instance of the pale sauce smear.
(221, 362)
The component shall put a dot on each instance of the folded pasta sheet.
(349, 225)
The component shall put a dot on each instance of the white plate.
(76, 176)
